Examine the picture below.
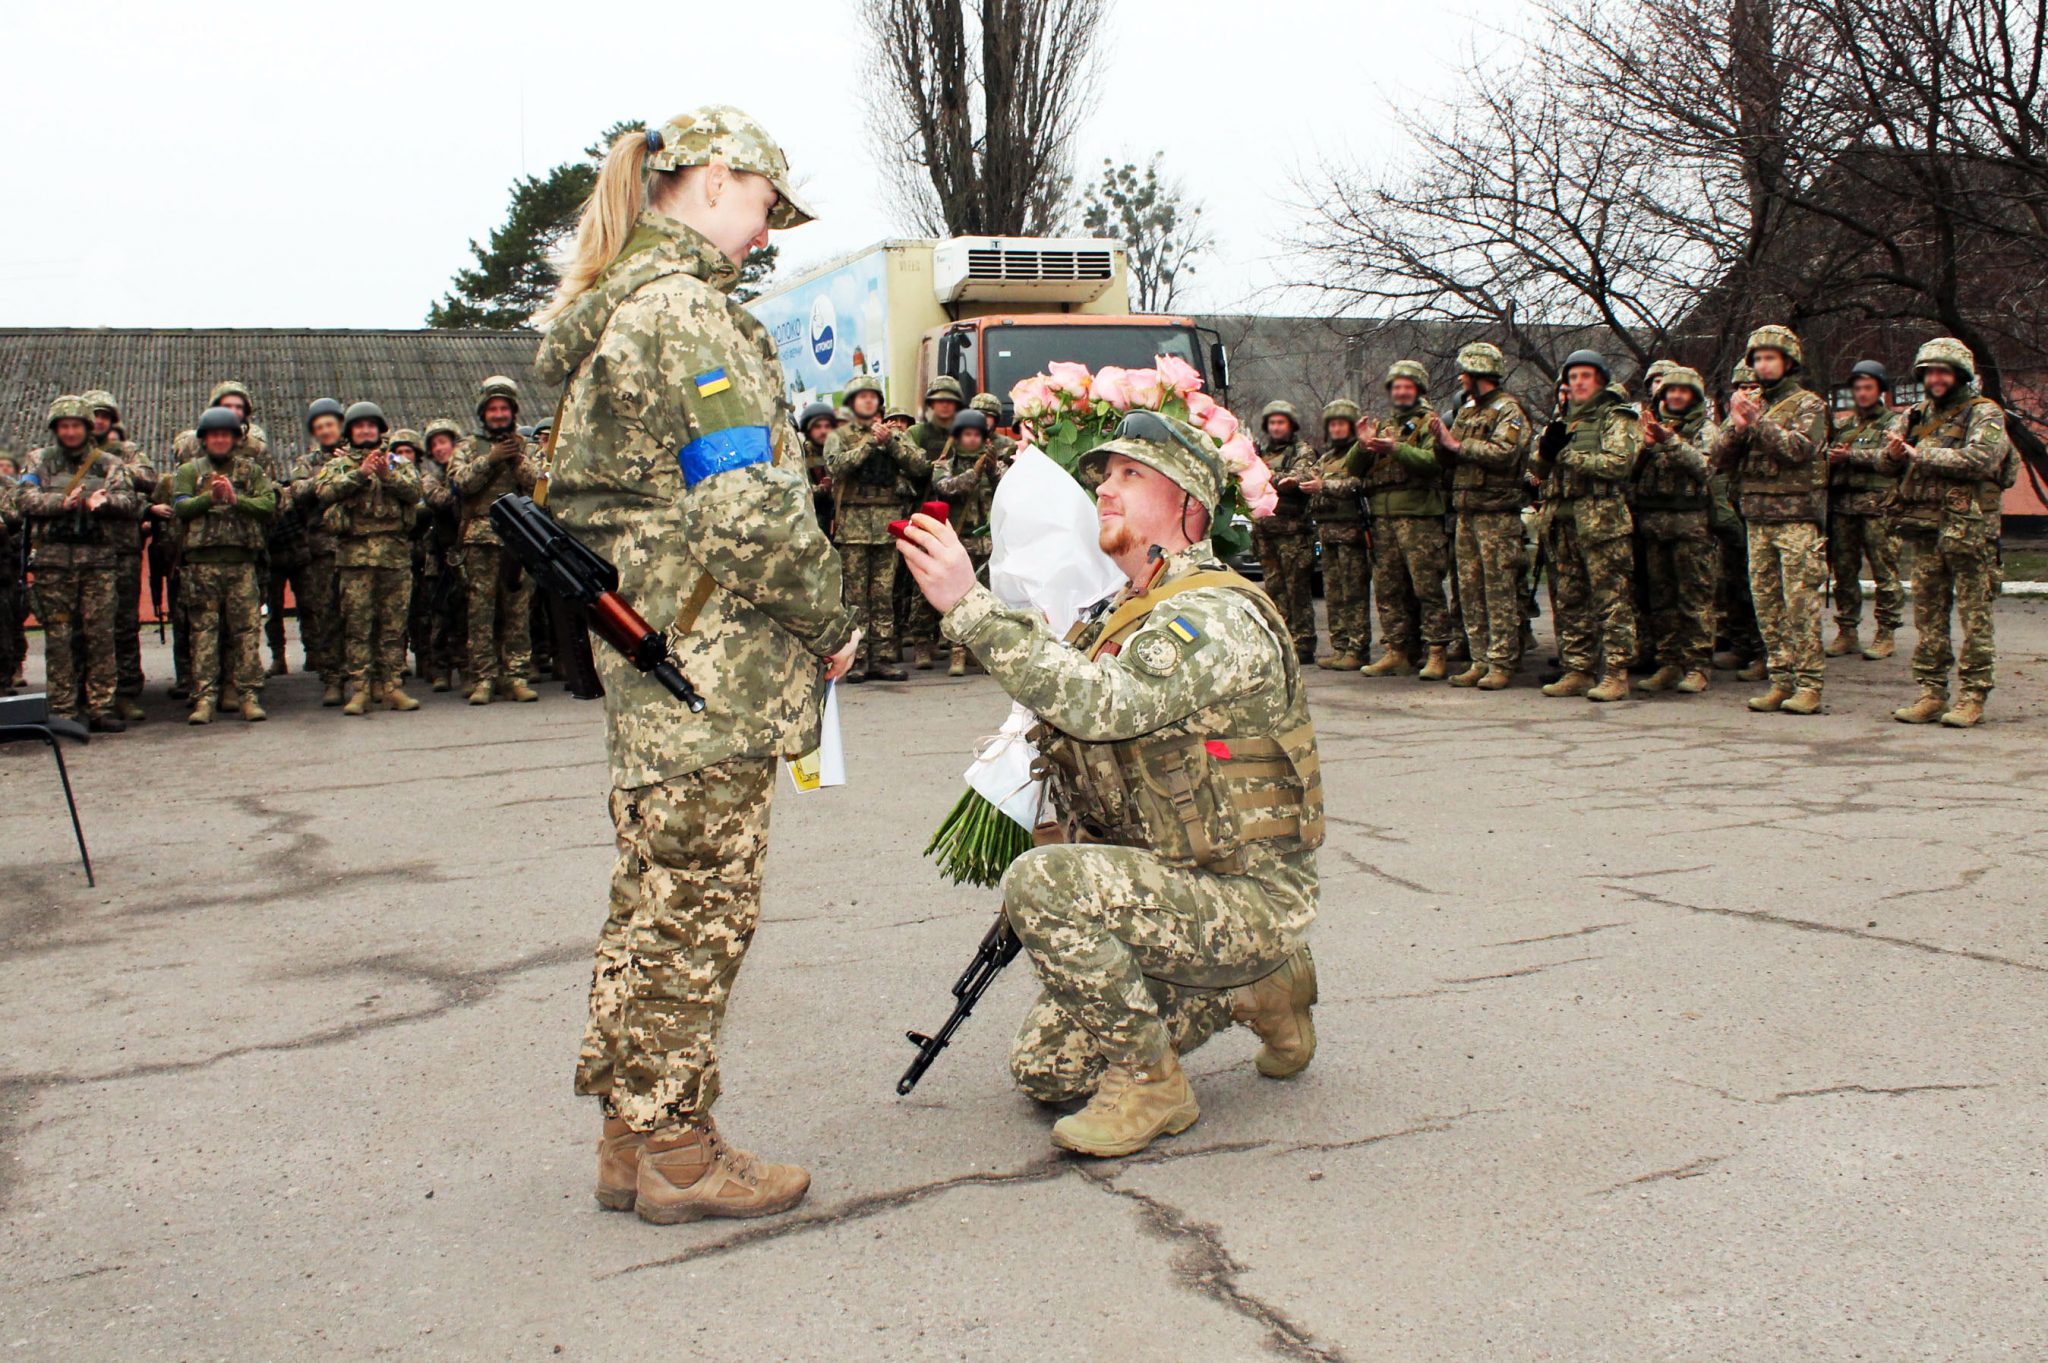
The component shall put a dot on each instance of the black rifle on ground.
(999, 947)
(564, 565)
(163, 563)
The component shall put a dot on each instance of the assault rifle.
(999, 947)
(564, 565)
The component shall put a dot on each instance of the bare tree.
(983, 101)
(1160, 227)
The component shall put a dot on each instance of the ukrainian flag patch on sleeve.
(1182, 630)
(711, 381)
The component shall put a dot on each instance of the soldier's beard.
(1116, 539)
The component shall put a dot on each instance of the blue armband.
(723, 451)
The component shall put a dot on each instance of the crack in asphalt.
(1870, 1091)
(1518, 973)
(1586, 931)
(1691, 1169)
(1381, 873)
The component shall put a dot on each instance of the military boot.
(1390, 663)
(1754, 671)
(618, 1164)
(442, 681)
(1694, 682)
(1804, 701)
(480, 694)
(880, 669)
(956, 665)
(1663, 679)
(689, 1172)
(1278, 1008)
(278, 667)
(1844, 643)
(396, 699)
(1570, 684)
(130, 710)
(921, 657)
(202, 711)
(358, 700)
(330, 694)
(1933, 701)
(1496, 679)
(177, 690)
(1458, 651)
(252, 713)
(1437, 667)
(1613, 686)
(1772, 700)
(1471, 676)
(105, 722)
(1881, 645)
(1131, 1108)
(1341, 662)
(377, 690)
(517, 689)
(1969, 711)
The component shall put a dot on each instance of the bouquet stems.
(976, 842)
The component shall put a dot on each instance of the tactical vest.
(1386, 471)
(1474, 488)
(1583, 436)
(1193, 797)
(222, 534)
(1927, 499)
(59, 469)
(1863, 436)
(1660, 487)
(504, 478)
(877, 480)
(1762, 475)
(1337, 508)
(370, 510)
(1291, 504)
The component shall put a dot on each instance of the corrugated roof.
(161, 377)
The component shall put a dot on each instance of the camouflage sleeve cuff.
(969, 613)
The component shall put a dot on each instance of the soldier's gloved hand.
(1555, 438)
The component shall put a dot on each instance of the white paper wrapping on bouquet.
(1044, 557)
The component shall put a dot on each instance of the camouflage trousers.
(373, 603)
(685, 898)
(500, 616)
(1347, 594)
(1491, 560)
(1788, 577)
(1679, 578)
(1959, 573)
(1594, 599)
(1119, 939)
(319, 608)
(76, 608)
(128, 626)
(224, 612)
(1852, 540)
(1409, 561)
(1289, 563)
(870, 577)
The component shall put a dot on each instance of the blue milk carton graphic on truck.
(829, 327)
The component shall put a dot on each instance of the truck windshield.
(1017, 352)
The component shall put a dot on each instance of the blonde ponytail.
(608, 217)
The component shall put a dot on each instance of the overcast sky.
(313, 164)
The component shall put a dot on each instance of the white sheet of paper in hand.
(1045, 555)
(824, 765)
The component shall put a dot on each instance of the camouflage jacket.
(1780, 461)
(968, 483)
(479, 479)
(126, 531)
(675, 460)
(440, 511)
(1493, 435)
(1673, 494)
(305, 498)
(221, 532)
(875, 480)
(1296, 459)
(1339, 508)
(1861, 483)
(1585, 479)
(1407, 480)
(75, 537)
(371, 517)
(1961, 464)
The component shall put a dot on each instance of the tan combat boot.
(1844, 642)
(358, 700)
(1933, 701)
(618, 1164)
(1772, 700)
(921, 657)
(1969, 711)
(1570, 684)
(252, 713)
(1663, 679)
(1341, 662)
(1804, 701)
(396, 699)
(1471, 676)
(330, 694)
(130, 709)
(1613, 686)
(442, 681)
(1881, 645)
(202, 711)
(1693, 683)
(1437, 667)
(1496, 679)
(1391, 662)
(377, 690)
(1131, 1109)
(277, 666)
(517, 689)
(1278, 1010)
(480, 694)
(956, 663)
(689, 1172)
(1755, 671)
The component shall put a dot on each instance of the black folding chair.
(25, 718)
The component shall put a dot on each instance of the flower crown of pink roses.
(1069, 410)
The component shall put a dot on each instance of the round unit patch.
(1155, 653)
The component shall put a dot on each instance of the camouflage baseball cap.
(1781, 339)
(1340, 409)
(1482, 359)
(100, 400)
(1180, 451)
(721, 132)
(1947, 350)
(1411, 370)
(231, 388)
(69, 406)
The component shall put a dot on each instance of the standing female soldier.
(675, 460)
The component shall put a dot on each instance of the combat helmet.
(100, 400)
(70, 406)
(1182, 452)
(721, 132)
(496, 386)
(864, 383)
(320, 407)
(1341, 409)
(364, 411)
(1658, 374)
(971, 420)
(1947, 350)
(1678, 376)
(441, 425)
(944, 386)
(1279, 407)
(1781, 339)
(1743, 375)
(816, 411)
(1412, 370)
(218, 419)
(405, 435)
(1871, 369)
(988, 404)
(232, 388)
(1591, 358)
(1483, 360)
(897, 414)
